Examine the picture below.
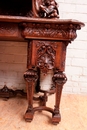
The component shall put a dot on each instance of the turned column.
(59, 79)
(31, 77)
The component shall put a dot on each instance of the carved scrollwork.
(50, 31)
(30, 75)
(46, 55)
(49, 9)
(45, 8)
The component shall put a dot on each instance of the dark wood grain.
(37, 22)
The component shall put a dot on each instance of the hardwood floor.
(73, 110)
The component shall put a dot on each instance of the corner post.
(30, 77)
(59, 79)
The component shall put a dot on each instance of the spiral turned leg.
(59, 80)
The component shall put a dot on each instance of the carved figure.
(49, 8)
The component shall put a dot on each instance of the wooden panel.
(60, 56)
(10, 31)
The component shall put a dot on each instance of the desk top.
(21, 28)
(18, 19)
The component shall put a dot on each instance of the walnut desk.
(47, 42)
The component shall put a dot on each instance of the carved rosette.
(46, 52)
(31, 75)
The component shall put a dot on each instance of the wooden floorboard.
(73, 110)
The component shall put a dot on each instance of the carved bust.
(49, 9)
(45, 8)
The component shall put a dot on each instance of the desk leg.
(31, 77)
(59, 79)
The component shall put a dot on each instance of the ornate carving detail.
(59, 77)
(45, 8)
(49, 9)
(36, 7)
(5, 92)
(30, 75)
(50, 31)
(46, 52)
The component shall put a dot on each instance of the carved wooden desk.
(47, 42)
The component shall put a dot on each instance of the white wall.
(13, 55)
(12, 64)
(76, 59)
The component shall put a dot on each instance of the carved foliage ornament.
(46, 52)
(53, 31)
